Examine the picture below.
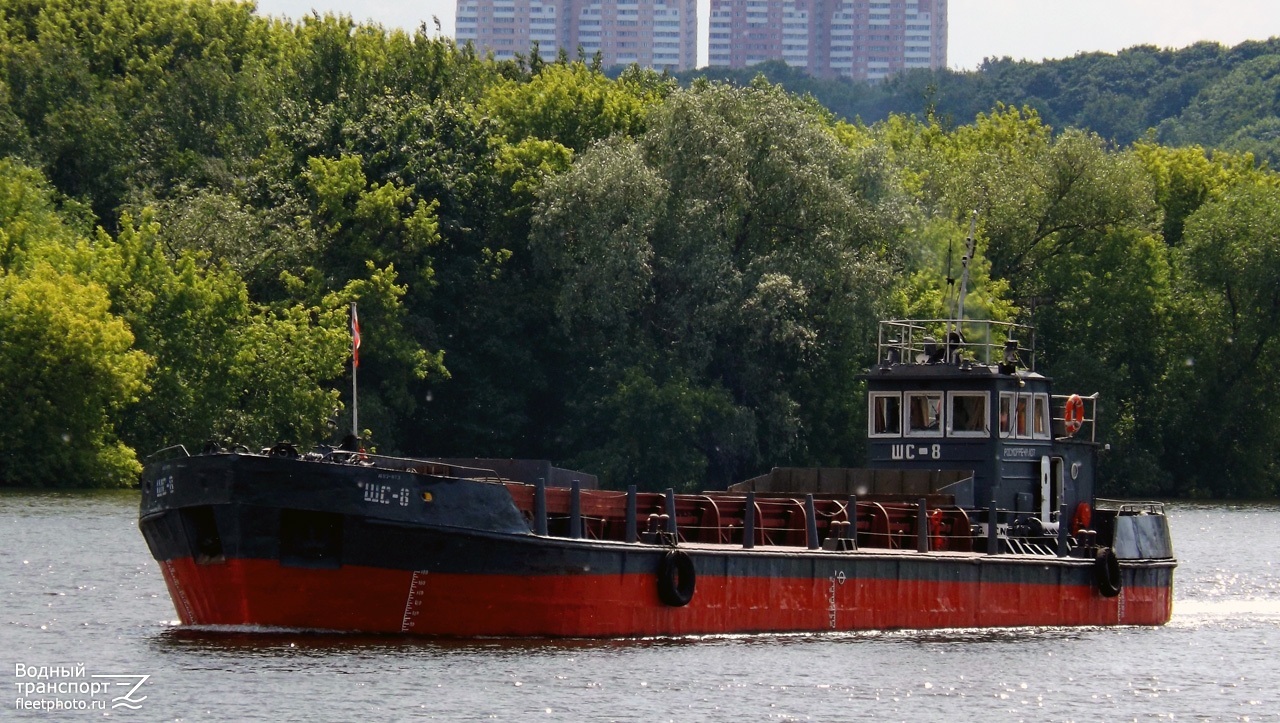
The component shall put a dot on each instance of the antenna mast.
(355, 368)
(954, 335)
(964, 266)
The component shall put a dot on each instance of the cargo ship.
(976, 509)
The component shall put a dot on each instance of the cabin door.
(1046, 489)
(1052, 486)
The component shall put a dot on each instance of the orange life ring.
(1081, 519)
(1073, 414)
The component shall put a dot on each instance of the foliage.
(715, 269)
(1187, 177)
(68, 368)
(1204, 94)
(570, 104)
(62, 432)
(671, 286)
(1223, 434)
(114, 346)
(226, 368)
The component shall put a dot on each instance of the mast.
(355, 366)
(955, 337)
(964, 266)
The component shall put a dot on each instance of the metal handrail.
(1129, 507)
(1090, 414)
(159, 452)
(911, 341)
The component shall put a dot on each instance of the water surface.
(78, 586)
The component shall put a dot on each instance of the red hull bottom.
(366, 599)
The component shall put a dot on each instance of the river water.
(78, 588)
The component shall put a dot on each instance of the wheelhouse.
(966, 396)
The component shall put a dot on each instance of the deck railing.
(1130, 507)
(1088, 425)
(832, 522)
(808, 521)
(921, 341)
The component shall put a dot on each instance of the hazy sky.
(1031, 29)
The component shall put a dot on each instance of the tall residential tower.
(659, 34)
(860, 39)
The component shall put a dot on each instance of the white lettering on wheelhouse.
(911, 451)
(1020, 452)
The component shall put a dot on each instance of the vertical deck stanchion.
(632, 536)
(1062, 530)
(575, 510)
(671, 511)
(540, 507)
(811, 523)
(852, 516)
(749, 521)
(993, 543)
(922, 525)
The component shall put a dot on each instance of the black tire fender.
(676, 578)
(1106, 570)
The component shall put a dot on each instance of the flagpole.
(355, 366)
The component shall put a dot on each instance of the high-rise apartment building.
(660, 34)
(860, 39)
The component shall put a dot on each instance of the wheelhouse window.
(1040, 426)
(1025, 416)
(1007, 413)
(968, 416)
(886, 414)
(924, 414)
(1022, 417)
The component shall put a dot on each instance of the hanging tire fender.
(1106, 570)
(676, 578)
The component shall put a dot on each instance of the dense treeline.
(668, 286)
(1204, 94)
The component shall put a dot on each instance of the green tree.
(67, 366)
(1185, 178)
(68, 371)
(724, 261)
(1223, 372)
(1233, 111)
(369, 222)
(571, 104)
(214, 348)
